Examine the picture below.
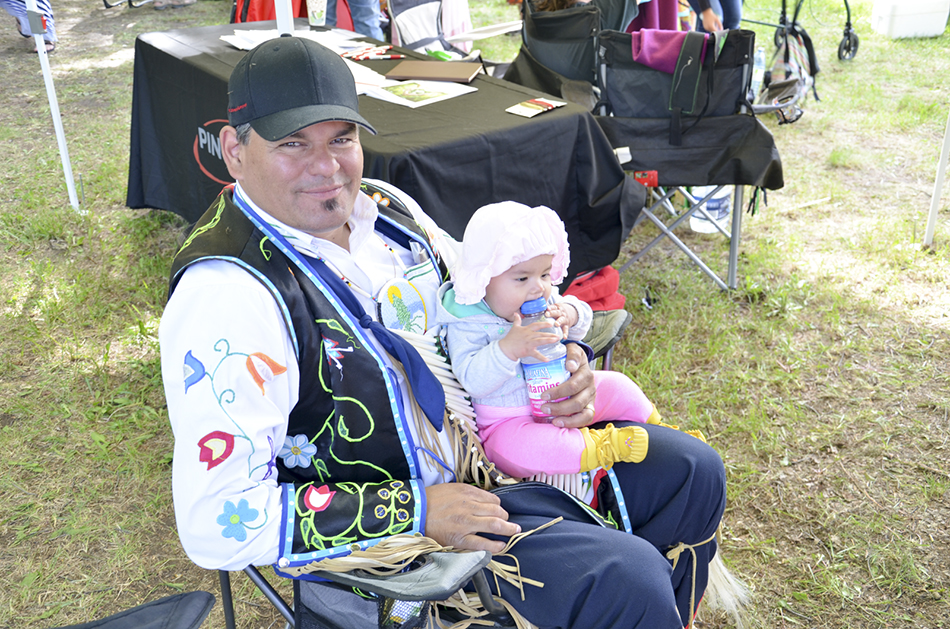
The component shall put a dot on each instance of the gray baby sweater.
(472, 335)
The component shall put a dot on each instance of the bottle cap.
(534, 306)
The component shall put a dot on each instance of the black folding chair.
(689, 129)
(181, 611)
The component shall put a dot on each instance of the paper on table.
(418, 93)
(365, 78)
(336, 40)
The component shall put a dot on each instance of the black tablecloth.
(452, 157)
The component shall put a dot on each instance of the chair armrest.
(434, 577)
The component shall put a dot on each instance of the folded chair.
(678, 115)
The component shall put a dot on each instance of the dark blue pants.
(599, 578)
(729, 10)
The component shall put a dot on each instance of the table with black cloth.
(452, 156)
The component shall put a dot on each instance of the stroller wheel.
(848, 47)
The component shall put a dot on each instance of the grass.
(822, 379)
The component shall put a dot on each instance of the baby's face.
(523, 282)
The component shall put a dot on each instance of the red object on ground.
(599, 290)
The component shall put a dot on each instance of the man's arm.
(231, 380)
(227, 430)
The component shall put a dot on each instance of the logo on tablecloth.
(207, 151)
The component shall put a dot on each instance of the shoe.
(50, 47)
(161, 5)
(19, 30)
(608, 445)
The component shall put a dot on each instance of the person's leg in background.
(17, 8)
(331, 13)
(365, 14)
(729, 11)
(677, 494)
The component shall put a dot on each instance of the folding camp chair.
(438, 575)
(559, 48)
(181, 611)
(681, 128)
(417, 25)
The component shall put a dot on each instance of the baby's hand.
(522, 340)
(565, 316)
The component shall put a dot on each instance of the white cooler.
(910, 18)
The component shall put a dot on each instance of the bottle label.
(542, 376)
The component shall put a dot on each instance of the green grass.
(822, 379)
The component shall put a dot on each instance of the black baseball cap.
(289, 83)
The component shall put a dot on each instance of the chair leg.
(268, 590)
(226, 601)
(734, 238)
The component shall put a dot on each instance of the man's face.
(308, 180)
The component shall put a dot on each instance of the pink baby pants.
(521, 447)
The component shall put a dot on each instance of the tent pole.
(938, 187)
(285, 19)
(38, 28)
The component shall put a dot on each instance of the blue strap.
(425, 386)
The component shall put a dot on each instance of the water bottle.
(540, 376)
(718, 207)
(758, 74)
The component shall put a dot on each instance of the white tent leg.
(938, 187)
(36, 18)
(285, 18)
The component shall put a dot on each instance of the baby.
(512, 253)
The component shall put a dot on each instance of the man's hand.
(523, 340)
(456, 513)
(711, 21)
(578, 410)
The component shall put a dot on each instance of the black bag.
(717, 87)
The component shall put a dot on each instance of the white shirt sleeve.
(231, 378)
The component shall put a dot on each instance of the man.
(295, 439)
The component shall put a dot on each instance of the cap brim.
(281, 124)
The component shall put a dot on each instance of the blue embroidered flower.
(233, 519)
(297, 451)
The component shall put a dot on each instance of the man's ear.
(232, 151)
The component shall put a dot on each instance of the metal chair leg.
(226, 601)
(268, 590)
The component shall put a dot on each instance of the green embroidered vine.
(218, 210)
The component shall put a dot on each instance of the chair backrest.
(635, 90)
(416, 24)
(563, 41)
